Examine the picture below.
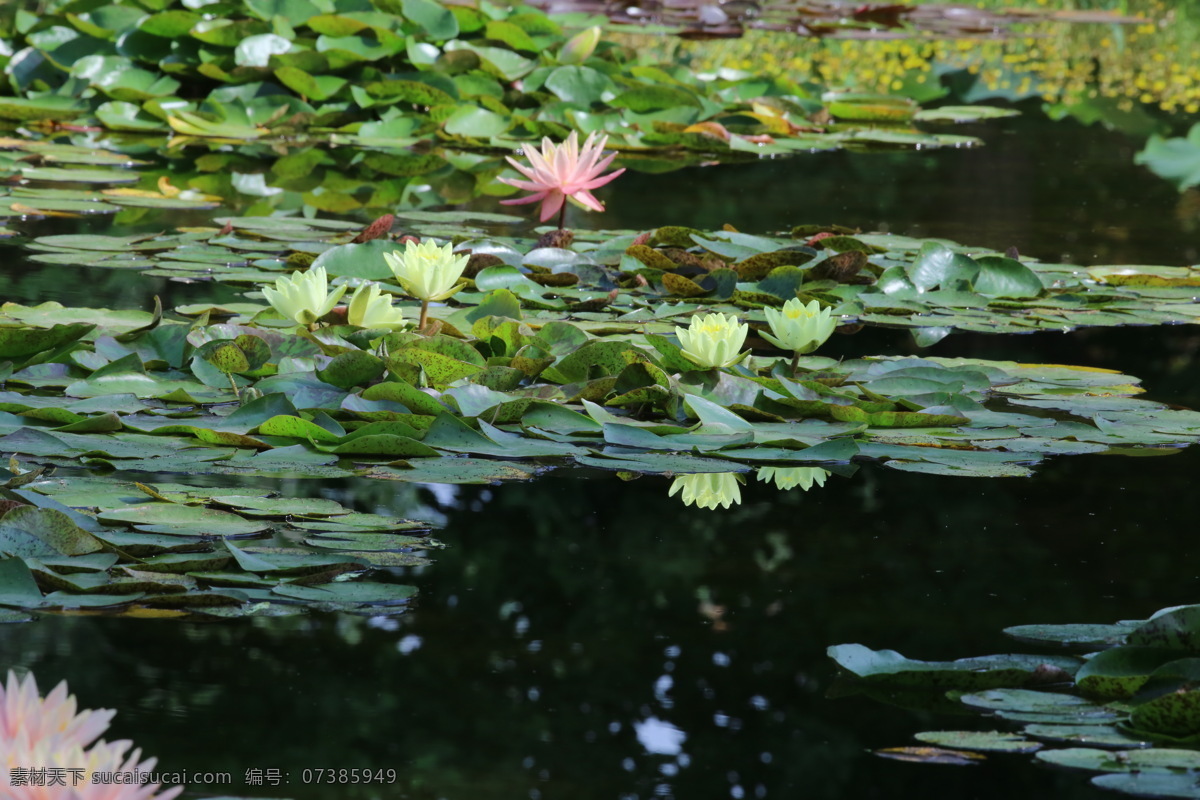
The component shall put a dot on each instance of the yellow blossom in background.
(1152, 63)
(708, 490)
(304, 297)
(371, 309)
(713, 340)
(790, 477)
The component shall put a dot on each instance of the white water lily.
(369, 308)
(713, 340)
(304, 297)
(798, 327)
(426, 271)
(790, 477)
(708, 490)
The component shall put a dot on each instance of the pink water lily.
(48, 735)
(564, 170)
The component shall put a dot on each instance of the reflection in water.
(708, 489)
(541, 635)
(660, 738)
(790, 477)
(714, 490)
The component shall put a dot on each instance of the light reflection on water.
(646, 649)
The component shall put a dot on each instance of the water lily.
(427, 272)
(304, 297)
(790, 477)
(708, 490)
(799, 327)
(46, 734)
(713, 340)
(369, 308)
(562, 171)
(25, 713)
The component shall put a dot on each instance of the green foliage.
(539, 374)
(167, 550)
(1176, 159)
(1128, 711)
(395, 73)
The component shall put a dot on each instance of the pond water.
(594, 638)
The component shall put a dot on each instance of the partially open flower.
(790, 477)
(713, 340)
(304, 297)
(371, 309)
(426, 271)
(708, 490)
(798, 327)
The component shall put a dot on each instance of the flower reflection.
(708, 490)
(790, 477)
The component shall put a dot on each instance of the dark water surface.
(597, 639)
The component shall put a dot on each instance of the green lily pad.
(986, 741)
(175, 519)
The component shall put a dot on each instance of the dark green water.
(597, 639)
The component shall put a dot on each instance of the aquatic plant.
(708, 490)
(1125, 704)
(370, 309)
(799, 327)
(46, 734)
(427, 271)
(304, 296)
(390, 75)
(713, 340)
(28, 717)
(1177, 159)
(561, 172)
(1094, 72)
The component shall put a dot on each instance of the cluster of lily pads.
(1127, 708)
(527, 371)
(168, 550)
(394, 74)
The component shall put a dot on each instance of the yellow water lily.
(708, 490)
(790, 477)
(427, 272)
(798, 327)
(713, 340)
(304, 297)
(371, 309)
